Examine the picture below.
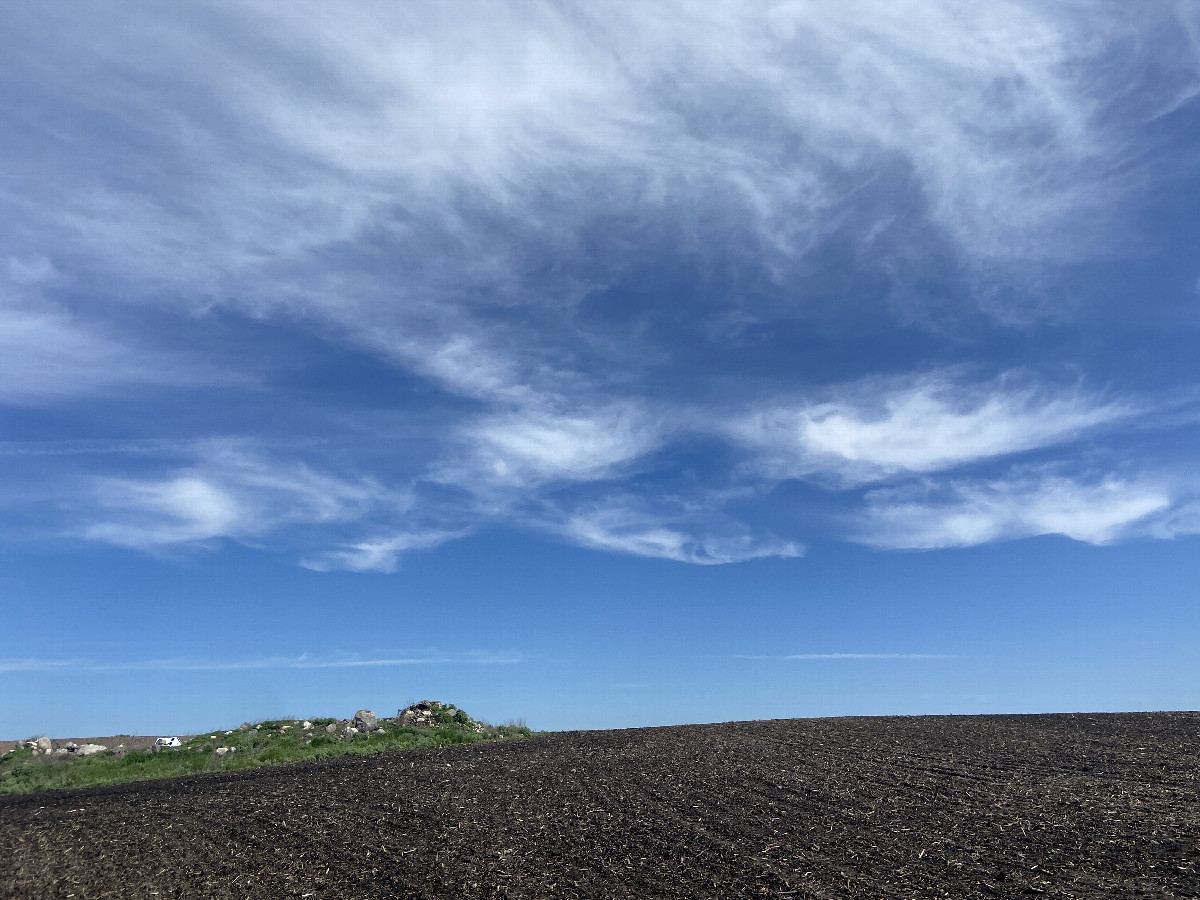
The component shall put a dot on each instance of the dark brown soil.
(962, 807)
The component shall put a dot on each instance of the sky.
(599, 365)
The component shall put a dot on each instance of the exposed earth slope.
(980, 806)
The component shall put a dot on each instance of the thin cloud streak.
(817, 656)
(40, 665)
(275, 662)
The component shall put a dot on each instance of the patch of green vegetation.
(275, 742)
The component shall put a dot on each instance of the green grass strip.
(275, 742)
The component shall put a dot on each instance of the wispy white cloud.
(30, 271)
(231, 492)
(875, 430)
(681, 531)
(966, 513)
(536, 446)
(48, 355)
(550, 120)
(455, 192)
(381, 554)
(1181, 520)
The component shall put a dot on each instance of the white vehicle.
(167, 742)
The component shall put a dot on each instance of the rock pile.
(43, 746)
(430, 713)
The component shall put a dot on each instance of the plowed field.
(972, 806)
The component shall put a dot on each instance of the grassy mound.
(273, 742)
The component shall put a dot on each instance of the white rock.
(90, 749)
(307, 725)
(43, 744)
(224, 751)
(365, 720)
(349, 731)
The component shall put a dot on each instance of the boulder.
(349, 731)
(224, 751)
(245, 726)
(306, 725)
(365, 720)
(90, 749)
(331, 728)
(44, 744)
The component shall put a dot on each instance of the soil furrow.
(966, 807)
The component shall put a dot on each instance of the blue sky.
(631, 365)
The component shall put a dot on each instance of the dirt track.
(990, 806)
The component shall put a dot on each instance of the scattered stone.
(331, 728)
(284, 727)
(224, 751)
(365, 720)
